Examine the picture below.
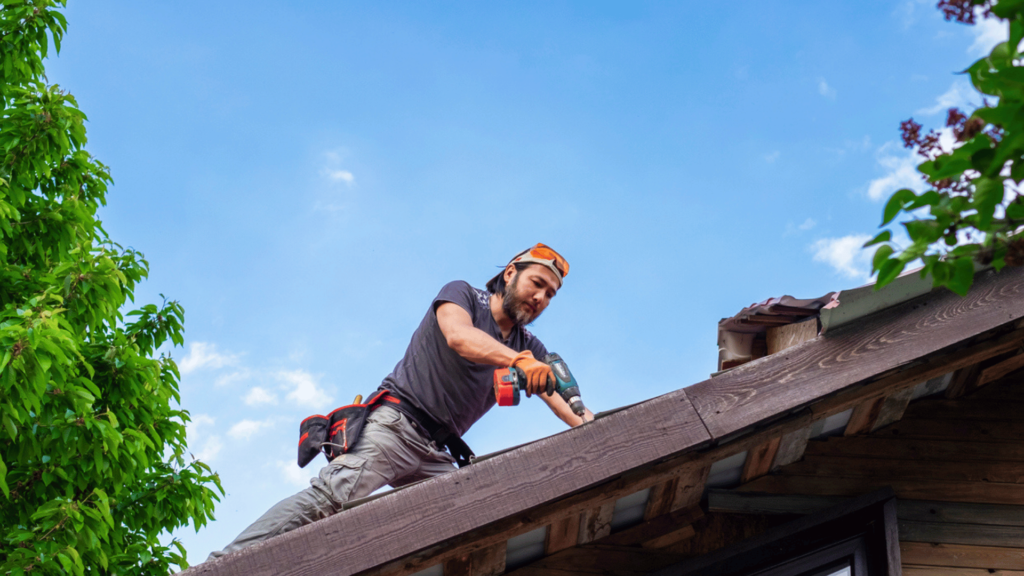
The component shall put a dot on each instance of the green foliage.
(974, 209)
(92, 455)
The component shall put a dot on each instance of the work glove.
(539, 377)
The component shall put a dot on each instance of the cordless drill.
(509, 381)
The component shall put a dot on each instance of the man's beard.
(514, 305)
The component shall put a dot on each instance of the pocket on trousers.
(385, 416)
(341, 477)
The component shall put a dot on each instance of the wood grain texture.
(862, 420)
(958, 555)
(973, 534)
(893, 408)
(913, 570)
(732, 502)
(966, 409)
(488, 561)
(562, 533)
(964, 380)
(960, 430)
(654, 528)
(792, 447)
(974, 350)
(918, 449)
(851, 354)
(690, 487)
(980, 492)
(838, 466)
(660, 500)
(443, 508)
(780, 338)
(596, 523)
(671, 538)
(961, 513)
(759, 460)
(993, 373)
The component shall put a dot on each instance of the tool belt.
(338, 432)
(438, 433)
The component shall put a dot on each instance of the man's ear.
(510, 271)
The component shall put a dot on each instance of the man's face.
(528, 292)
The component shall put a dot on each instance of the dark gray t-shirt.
(431, 376)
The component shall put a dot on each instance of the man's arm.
(562, 410)
(467, 340)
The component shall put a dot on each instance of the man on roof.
(442, 385)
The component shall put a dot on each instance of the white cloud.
(202, 447)
(209, 450)
(960, 95)
(205, 355)
(901, 172)
(987, 33)
(292, 474)
(247, 428)
(845, 255)
(259, 396)
(304, 389)
(771, 158)
(340, 176)
(233, 377)
(825, 90)
(808, 224)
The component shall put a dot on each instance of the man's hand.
(538, 374)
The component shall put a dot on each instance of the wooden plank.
(596, 523)
(719, 530)
(893, 408)
(759, 460)
(605, 559)
(441, 510)
(1010, 388)
(562, 533)
(690, 487)
(654, 527)
(977, 350)
(993, 373)
(489, 561)
(973, 534)
(966, 409)
(792, 447)
(848, 466)
(950, 491)
(960, 430)
(862, 420)
(660, 500)
(857, 352)
(732, 502)
(917, 449)
(912, 570)
(964, 380)
(959, 555)
(781, 337)
(961, 513)
(671, 538)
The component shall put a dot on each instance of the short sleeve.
(533, 344)
(457, 292)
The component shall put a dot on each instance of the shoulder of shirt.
(482, 296)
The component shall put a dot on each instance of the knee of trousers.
(341, 478)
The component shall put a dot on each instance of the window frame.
(862, 529)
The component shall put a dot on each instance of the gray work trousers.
(391, 450)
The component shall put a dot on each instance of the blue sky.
(305, 177)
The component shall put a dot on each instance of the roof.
(514, 493)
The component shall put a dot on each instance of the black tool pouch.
(336, 433)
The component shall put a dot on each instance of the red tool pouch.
(336, 433)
